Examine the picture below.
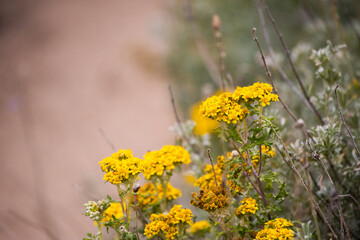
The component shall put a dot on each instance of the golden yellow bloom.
(210, 199)
(249, 205)
(201, 226)
(179, 215)
(207, 181)
(121, 167)
(147, 194)
(223, 108)
(277, 229)
(114, 209)
(260, 92)
(156, 162)
(203, 125)
(167, 225)
(230, 107)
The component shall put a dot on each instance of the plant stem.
(293, 168)
(128, 202)
(164, 186)
(222, 54)
(121, 200)
(212, 164)
(291, 62)
(343, 120)
(99, 227)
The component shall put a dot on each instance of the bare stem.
(342, 220)
(216, 23)
(99, 227)
(212, 164)
(292, 115)
(272, 55)
(209, 63)
(293, 168)
(260, 189)
(291, 62)
(111, 145)
(121, 201)
(252, 183)
(343, 120)
(177, 118)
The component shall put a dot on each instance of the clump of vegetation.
(287, 158)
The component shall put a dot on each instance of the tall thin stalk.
(297, 76)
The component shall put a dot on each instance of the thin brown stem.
(212, 164)
(204, 54)
(341, 216)
(260, 160)
(177, 118)
(297, 76)
(252, 183)
(216, 23)
(350, 196)
(293, 168)
(343, 120)
(292, 115)
(272, 55)
(260, 188)
(111, 145)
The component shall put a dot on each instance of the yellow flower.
(230, 107)
(156, 162)
(249, 205)
(277, 229)
(210, 199)
(121, 167)
(260, 92)
(203, 125)
(167, 225)
(147, 194)
(223, 108)
(114, 210)
(201, 226)
(207, 181)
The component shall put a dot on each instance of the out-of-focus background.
(80, 78)
(74, 75)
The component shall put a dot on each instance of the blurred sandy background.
(68, 69)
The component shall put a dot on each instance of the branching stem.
(291, 62)
(343, 120)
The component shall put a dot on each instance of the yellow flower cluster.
(147, 194)
(260, 92)
(203, 125)
(210, 199)
(201, 226)
(277, 229)
(229, 107)
(249, 205)
(166, 159)
(121, 166)
(114, 210)
(207, 180)
(223, 108)
(166, 226)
